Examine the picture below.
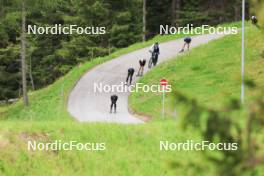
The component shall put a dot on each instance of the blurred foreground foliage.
(257, 8)
(235, 123)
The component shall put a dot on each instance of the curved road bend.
(87, 106)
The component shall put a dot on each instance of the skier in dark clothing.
(130, 74)
(113, 102)
(142, 64)
(254, 20)
(187, 41)
(155, 51)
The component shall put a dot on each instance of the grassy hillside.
(210, 73)
(131, 149)
(50, 103)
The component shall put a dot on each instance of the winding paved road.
(87, 106)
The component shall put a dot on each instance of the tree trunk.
(237, 13)
(23, 55)
(30, 74)
(237, 9)
(177, 9)
(144, 20)
(175, 12)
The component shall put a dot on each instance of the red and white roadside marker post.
(163, 83)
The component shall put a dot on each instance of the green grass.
(131, 149)
(50, 103)
(209, 73)
(47, 119)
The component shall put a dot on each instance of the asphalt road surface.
(86, 105)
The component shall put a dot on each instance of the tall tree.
(237, 10)
(175, 11)
(23, 54)
(34, 4)
(144, 20)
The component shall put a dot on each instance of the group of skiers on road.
(155, 52)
